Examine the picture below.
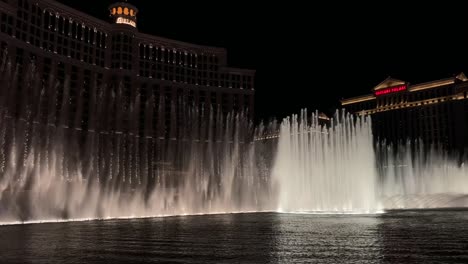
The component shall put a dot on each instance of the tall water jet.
(326, 169)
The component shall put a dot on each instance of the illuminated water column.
(326, 169)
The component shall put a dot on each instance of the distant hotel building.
(67, 44)
(435, 112)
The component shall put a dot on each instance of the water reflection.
(328, 239)
(397, 237)
(424, 237)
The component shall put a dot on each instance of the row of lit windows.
(198, 96)
(410, 98)
(178, 57)
(74, 30)
(58, 35)
(56, 23)
(191, 76)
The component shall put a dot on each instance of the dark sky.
(310, 54)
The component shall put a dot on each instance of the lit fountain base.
(48, 221)
(429, 201)
(364, 212)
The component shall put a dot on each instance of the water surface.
(396, 237)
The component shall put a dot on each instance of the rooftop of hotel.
(390, 82)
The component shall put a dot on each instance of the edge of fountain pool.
(53, 221)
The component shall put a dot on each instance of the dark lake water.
(397, 237)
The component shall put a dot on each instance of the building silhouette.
(434, 112)
(85, 62)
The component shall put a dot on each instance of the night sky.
(310, 55)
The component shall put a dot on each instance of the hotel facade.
(435, 112)
(80, 53)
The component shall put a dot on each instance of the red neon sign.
(390, 90)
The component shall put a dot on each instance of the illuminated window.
(126, 11)
(132, 13)
(119, 10)
(114, 10)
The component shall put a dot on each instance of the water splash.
(339, 169)
(326, 169)
(416, 176)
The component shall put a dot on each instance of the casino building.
(81, 51)
(435, 112)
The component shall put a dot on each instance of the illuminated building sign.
(124, 13)
(391, 90)
(122, 20)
